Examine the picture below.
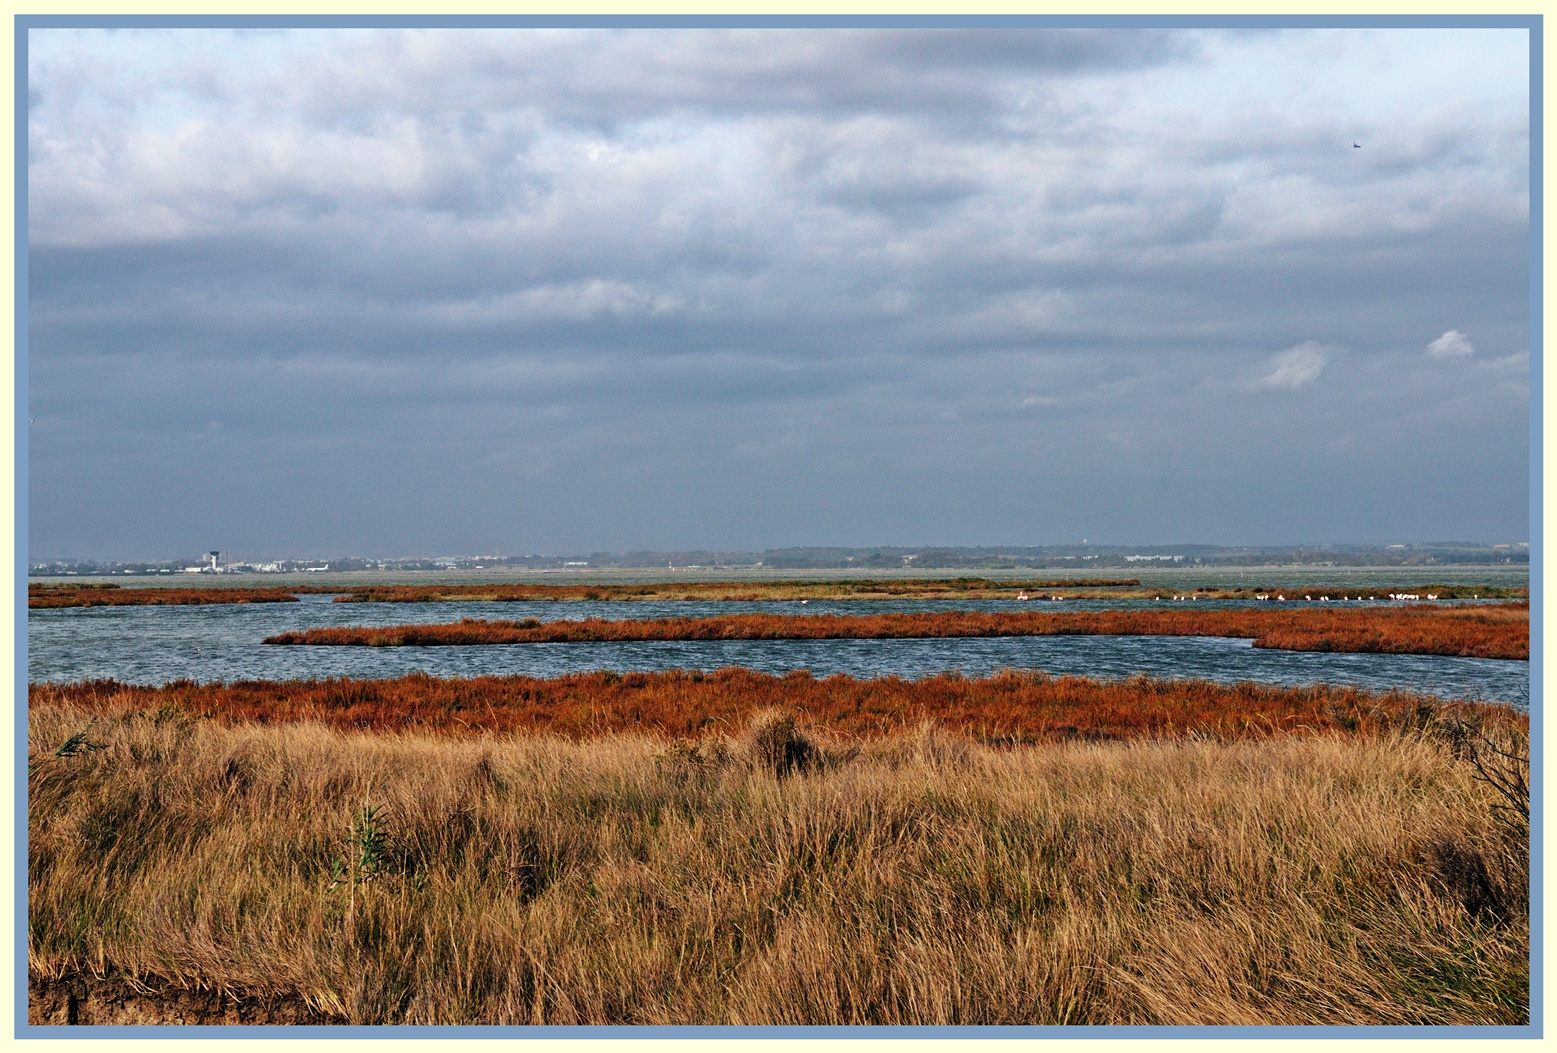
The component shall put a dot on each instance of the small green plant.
(370, 840)
(74, 746)
(366, 848)
(77, 743)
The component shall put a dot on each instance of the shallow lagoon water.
(154, 645)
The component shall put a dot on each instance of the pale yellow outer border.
(777, 7)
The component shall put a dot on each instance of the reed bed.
(1484, 631)
(114, 596)
(748, 591)
(45, 594)
(769, 875)
(867, 589)
(1008, 708)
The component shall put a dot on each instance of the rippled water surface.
(153, 645)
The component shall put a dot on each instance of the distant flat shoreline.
(1179, 577)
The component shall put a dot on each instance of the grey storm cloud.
(389, 291)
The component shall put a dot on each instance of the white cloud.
(1296, 366)
(1451, 345)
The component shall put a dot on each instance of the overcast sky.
(513, 291)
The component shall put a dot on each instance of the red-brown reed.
(867, 589)
(1007, 708)
(72, 594)
(1487, 631)
(748, 591)
(100, 596)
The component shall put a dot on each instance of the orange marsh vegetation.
(45, 596)
(1490, 631)
(1005, 709)
(868, 589)
(72, 594)
(748, 591)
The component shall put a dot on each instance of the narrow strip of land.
(71, 594)
(48, 596)
(748, 591)
(908, 589)
(1485, 631)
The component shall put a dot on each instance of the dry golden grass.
(777, 876)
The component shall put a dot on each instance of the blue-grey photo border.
(1533, 23)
